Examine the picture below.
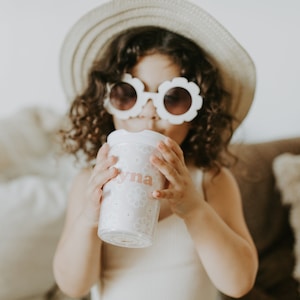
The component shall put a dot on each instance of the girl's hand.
(102, 172)
(180, 191)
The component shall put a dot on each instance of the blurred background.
(32, 33)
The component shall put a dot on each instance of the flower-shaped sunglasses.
(177, 100)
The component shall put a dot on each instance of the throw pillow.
(286, 169)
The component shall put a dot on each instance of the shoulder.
(221, 190)
(223, 177)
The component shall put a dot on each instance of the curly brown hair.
(90, 124)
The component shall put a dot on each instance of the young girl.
(201, 243)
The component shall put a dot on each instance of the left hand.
(180, 190)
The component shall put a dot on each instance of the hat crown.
(86, 39)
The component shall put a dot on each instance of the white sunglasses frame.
(157, 99)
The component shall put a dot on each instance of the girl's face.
(152, 70)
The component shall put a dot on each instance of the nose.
(149, 111)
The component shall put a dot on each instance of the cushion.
(34, 183)
(29, 134)
(287, 173)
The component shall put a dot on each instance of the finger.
(168, 154)
(168, 194)
(105, 163)
(167, 169)
(103, 160)
(100, 178)
(175, 147)
(103, 152)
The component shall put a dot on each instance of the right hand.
(102, 172)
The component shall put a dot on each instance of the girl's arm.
(215, 222)
(77, 259)
(221, 236)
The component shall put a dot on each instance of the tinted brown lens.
(177, 101)
(123, 96)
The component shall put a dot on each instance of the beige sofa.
(265, 173)
(33, 188)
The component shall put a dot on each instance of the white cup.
(129, 214)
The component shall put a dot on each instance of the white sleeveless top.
(170, 269)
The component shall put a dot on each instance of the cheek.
(120, 124)
(117, 123)
(178, 133)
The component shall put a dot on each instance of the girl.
(202, 243)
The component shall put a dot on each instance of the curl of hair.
(206, 144)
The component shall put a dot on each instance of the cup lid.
(148, 137)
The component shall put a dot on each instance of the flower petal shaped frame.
(157, 99)
(193, 90)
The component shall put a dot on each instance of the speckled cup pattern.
(128, 213)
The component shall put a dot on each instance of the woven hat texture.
(86, 39)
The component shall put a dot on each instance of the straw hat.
(87, 37)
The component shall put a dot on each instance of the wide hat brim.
(87, 38)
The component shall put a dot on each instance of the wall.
(32, 32)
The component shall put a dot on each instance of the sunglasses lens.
(123, 96)
(177, 101)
